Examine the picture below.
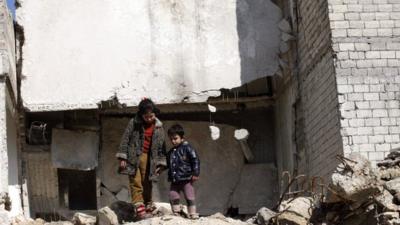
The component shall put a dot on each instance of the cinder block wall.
(317, 115)
(366, 41)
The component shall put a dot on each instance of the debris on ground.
(357, 194)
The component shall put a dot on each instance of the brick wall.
(366, 42)
(318, 114)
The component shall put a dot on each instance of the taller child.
(143, 148)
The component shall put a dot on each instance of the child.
(183, 169)
(142, 154)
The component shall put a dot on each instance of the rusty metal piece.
(287, 189)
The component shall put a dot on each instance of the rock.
(107, 217)
(389, 173)
(393, 185)
(394, 153)
(219, 216)
(385, 199)
(389, 218)
(397, 198)
(355, 180)
(83, 219)
(264, 215)
(301, 206)
(289, 218)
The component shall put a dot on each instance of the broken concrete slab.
(389, 173)
(393, 186)
(82, 145)
(106, 216)
(354, 179)
(83, 219)
(386, 200)
(301, 206)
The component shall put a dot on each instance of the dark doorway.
(77, 189)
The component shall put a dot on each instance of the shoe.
(140, 211)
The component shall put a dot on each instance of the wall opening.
(77, 189)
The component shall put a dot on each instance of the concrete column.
(3, 140)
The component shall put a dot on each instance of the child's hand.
(195, 178)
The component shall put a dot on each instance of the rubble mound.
(217, 219)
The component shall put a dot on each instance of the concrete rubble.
(357, 194)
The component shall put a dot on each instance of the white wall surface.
(77, 53)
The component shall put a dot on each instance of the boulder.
(83, 219)
(106, 216)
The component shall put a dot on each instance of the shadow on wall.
(259, 38)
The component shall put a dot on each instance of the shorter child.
(183, 169)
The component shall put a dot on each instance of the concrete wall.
(74, 59)
(3, 140)
(317, 110)
(14, 188)
(366, 41)
(7, 47)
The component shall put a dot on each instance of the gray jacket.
(131, 145)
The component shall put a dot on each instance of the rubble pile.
(357, 194)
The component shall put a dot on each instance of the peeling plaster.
(171, 51)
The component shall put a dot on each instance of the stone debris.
(358, 194)
(106, 216)
(83, 219)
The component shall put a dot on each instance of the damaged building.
(293, 83)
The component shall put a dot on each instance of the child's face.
(149, 117)
(176, 139)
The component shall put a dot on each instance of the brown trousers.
(139, 184)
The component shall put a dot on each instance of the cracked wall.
(77, 54)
